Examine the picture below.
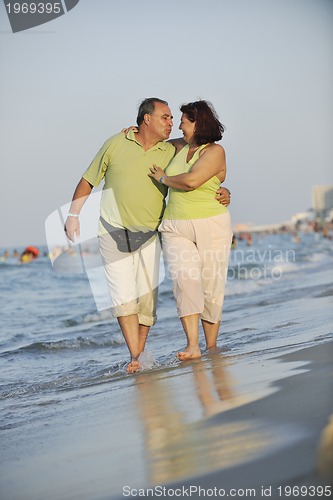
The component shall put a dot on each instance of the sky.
(68, 85)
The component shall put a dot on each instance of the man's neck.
(146, 140)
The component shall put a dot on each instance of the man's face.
(160, 122)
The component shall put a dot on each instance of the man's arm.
(178, 143)
(223, 196)
(80, 196)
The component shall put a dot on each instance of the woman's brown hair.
(208, 128)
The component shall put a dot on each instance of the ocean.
(61, 356)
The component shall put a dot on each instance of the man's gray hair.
(148, 107)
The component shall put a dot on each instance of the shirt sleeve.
(96, 170)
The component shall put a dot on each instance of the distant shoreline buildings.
(322, 200)
(321, 207)
(321, 212)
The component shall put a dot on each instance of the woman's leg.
(191, 328)
(214, 236)
(183, 264)
(211, 331)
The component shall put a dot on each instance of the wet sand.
(294, 426)
(222, 423)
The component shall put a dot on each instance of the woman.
(196, 229)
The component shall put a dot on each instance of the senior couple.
(139, 167)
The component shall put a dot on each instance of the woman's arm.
(212, 162)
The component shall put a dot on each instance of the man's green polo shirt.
(130, 198)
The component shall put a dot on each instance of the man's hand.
(80, 196)
(223, 196)
(72, 228)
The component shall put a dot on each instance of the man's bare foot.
(133, 366)
(189, 353)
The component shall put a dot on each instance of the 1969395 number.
(34, 8)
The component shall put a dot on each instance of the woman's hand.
(156, 172)
(132, 127)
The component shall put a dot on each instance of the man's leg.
(147, 280)
(120, 270)
(143, 334)
(135, 337)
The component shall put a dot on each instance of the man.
(132, 206)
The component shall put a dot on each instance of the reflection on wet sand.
(324, 464)
(181, 442)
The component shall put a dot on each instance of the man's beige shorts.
(132, 278)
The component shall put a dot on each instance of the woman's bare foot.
(189, 353)
(133, 366)
(213, 349)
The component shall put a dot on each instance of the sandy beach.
(246, 421)
(243, 423)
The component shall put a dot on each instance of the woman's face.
(187, 128)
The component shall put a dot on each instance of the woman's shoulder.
(213, 149)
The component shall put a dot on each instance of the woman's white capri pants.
(197, 253)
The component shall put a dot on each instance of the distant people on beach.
(6, 255)
(249, 240)
(196, 231)
(247, 237)
(296, 238)
(29, 254)
(320, 227)
(132, 206)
